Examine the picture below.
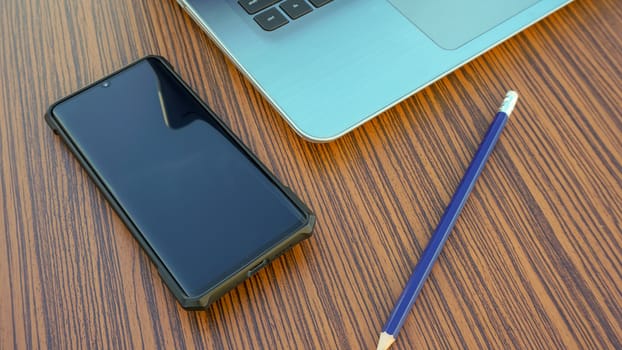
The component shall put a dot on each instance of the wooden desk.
(535, 260)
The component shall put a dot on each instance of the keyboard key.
(254, 6)
(271, 19)
(295, 8)
(320, 3)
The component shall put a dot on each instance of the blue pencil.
(431, 252)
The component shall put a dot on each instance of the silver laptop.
(330, 65)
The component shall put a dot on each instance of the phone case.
(212, 294)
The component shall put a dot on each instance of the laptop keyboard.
(273, 14)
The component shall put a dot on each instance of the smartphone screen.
(200, 201)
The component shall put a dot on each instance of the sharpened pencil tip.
(509, 102)
(385, 341)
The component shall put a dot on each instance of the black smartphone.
(205, 210)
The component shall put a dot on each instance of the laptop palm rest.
(453, 23)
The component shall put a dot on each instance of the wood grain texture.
(534, 261)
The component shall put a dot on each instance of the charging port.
(257, 267)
